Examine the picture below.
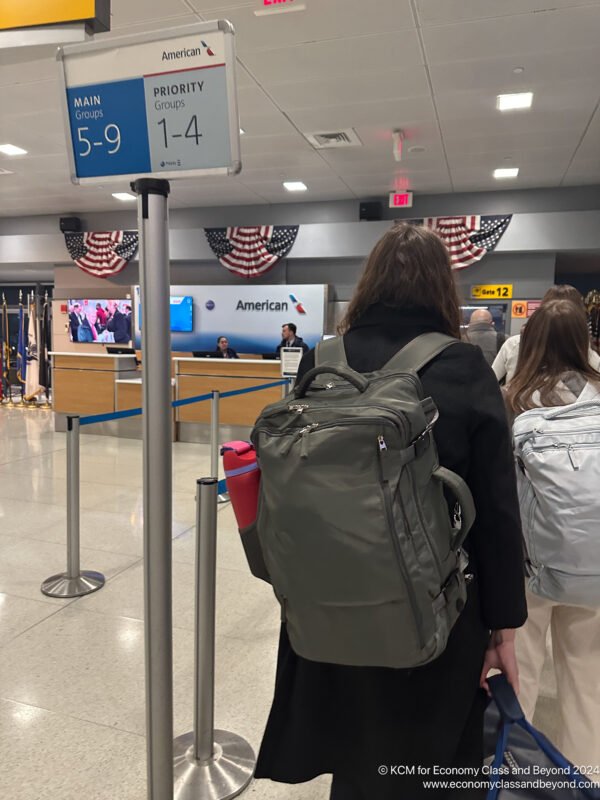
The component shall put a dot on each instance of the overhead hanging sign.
(160, 104)
(492, 291)
(31, 13)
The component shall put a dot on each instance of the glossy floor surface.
(72, 671)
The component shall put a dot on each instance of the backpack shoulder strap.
(416, 354)
(500, 339)
(330, 351)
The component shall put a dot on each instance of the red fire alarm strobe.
(401, 199)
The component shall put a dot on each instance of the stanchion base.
(63, 586)
(225, 776)
(223, 498)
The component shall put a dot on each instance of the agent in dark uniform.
(223, 350)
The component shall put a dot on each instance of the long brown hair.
(409, 266)
(555, 341)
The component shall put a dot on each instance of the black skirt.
(359, 722)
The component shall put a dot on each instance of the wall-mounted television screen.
(181, 312)
(99, 320)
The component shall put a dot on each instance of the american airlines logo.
(297, 304)
(188, 52)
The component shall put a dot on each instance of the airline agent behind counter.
(223, 350)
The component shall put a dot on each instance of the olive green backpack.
(357, 536)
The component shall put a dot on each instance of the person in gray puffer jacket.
(481, 331)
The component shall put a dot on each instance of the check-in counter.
(196, 376)
(85, 383)
(129, 394)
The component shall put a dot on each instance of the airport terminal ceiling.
(432, 68)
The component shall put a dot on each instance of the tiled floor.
(71, 672)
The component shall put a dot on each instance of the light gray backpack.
(357, 536)
(558, 478)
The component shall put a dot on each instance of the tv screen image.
(181, 314)
(99, 320)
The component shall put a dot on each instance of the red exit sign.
(279, 6)
(401, 199)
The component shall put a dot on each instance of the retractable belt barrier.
(76, 582)
(200, 398)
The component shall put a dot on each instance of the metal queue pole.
(209, 764)
(73, 582)
(157, 456)
(214, 440)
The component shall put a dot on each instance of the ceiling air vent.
(323, 141)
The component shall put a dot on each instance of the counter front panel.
(202, 376)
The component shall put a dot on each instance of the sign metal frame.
(167, 35)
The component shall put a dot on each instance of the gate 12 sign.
(161, 104)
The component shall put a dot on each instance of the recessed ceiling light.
(509, 102)
(506, 172)
(12, 150)
(295, 186)
(124, 196)
(519, 70)
(242, 131)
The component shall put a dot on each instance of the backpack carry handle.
(574, 408)
(356, 379)
(465, 499)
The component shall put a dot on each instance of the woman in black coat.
(372, 726)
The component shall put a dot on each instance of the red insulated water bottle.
(242, 474)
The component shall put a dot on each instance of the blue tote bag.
(526, 764)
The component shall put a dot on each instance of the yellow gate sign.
(492, 291)
(29, 13)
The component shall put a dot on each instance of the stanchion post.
(209, 764)
(214, 441)
(206, 561)
(73, 582)
(214, 433)
(156, 350)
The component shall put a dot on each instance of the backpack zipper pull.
(382, 444)
(304, 435)
(572, 457)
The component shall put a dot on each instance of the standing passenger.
(554, 370)
(481, 331)
(505, 363)
(356, 722)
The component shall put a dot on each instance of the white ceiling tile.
(515, 124)
(323, 20)
(528, 175)
(130, 12)
(338, 58)
(270, 145)
(27, 64)
(392, 85)
(506, 142)
(569, 99)
(217, 6)
(355, 163)
(555, 159)
(434, 12)
(252, 101)
(495, 75)
(550, 32)
(29, 97)
(589, 146)
(274, 124)
(392, 114)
